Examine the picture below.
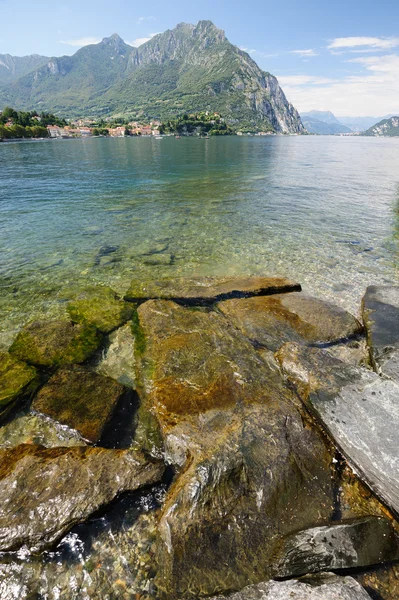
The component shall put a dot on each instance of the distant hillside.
(187, 69)
(358, 124)
(385, 128)
(14, 67)
(323, 123)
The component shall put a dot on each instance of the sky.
(337, 55)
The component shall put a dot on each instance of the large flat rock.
(80, 399)
(346, 545)
(322, 587)
(380, 310)
(250, 469)
(270, 321)
(359, 409)
(44, 492)
(206, 290)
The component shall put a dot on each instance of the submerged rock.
(381, 318)
(357, 408)
(44, 492)
(29, 428)
(250, 469)
(17, 380)
(55, 343)
(118, 361)
(206, 290)
(322, 587)
(99, 306)
(273, 320)
(345, 545)
(80, 399)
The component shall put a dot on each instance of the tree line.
(26, 124)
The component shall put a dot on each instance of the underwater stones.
(80, 399)
(99, 306)
(206, 290)
(44, 492)
(55, 343)
(326, 586)
(17, 380)
(272, 320)
(357, 408)
(345, 545)
(118, 360)
(380, 309)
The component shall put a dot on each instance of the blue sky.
(329, 55)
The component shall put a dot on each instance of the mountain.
(358, 124)
(14, 67)
(385, 128)
(323, 123)
(187, 69)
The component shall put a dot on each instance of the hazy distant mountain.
(385, 128)
(14, 67)
(186, 69)
(323, 123)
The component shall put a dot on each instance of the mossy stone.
(16, 380)
(100, 307)
(55, 343)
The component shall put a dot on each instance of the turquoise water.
(323, 210)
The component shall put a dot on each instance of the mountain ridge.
(185, 69)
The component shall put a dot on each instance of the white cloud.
(304, 53)
(85, 41)
(373, 91)
(141, 20)
(367, 43)
(140, 41)
(248, 50)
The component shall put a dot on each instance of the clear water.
(323, 210)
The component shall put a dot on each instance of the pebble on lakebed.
(258, 446)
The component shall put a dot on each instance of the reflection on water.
(74, 212)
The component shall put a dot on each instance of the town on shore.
(19, 124)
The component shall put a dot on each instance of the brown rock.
(206, 290)
(44, 492)
(80, 399)
(273, 320)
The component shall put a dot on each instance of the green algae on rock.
(99, 306)
(206, 290)
(80, 399)
(118, 360)
(55, 343)
(44, 492)
(17, 380)
(273, 320)
(31, 428)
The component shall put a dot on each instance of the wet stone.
(321, 587)
(357, 408)
(29, 428)
(380, 309)
(207, 290)
(55, 343)
(345, 545)
(118, 361)
(249, 468)
(17, 380)
(46, 491)
(81, 399)
(270, 321)
(99, 306)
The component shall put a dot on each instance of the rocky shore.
(241, 436)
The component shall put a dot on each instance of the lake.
(321, 210)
